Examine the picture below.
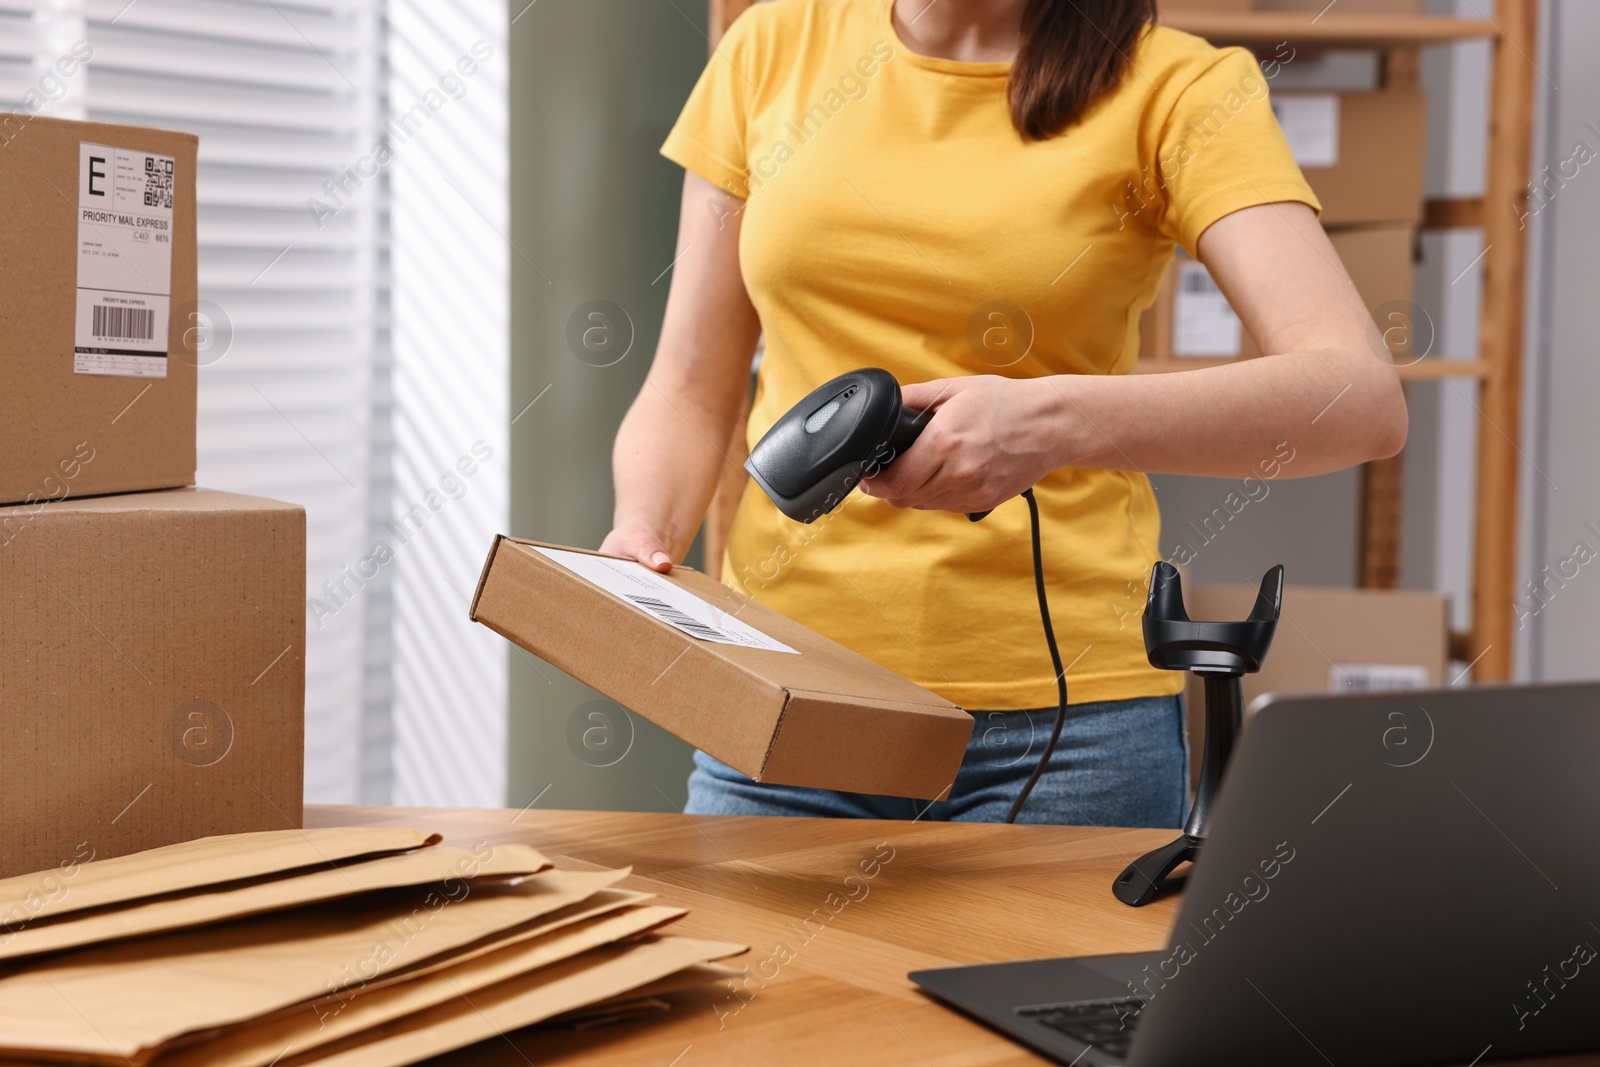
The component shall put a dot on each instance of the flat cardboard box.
(192, 865)
(1362, 152)
(397, 992)
(152, 673)
(1191, 319)
(592, 977)
(130, 424)
(820, 715)
(198, 979)
(242, 899)
(1332, 640)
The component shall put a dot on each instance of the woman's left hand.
(987, 439)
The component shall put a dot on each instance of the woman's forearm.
(672, 444)
(1335, 410)
(666, 461)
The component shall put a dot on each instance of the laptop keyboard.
(1108, 1025)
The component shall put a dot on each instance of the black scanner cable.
(1055, 660)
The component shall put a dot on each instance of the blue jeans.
(1118, 763)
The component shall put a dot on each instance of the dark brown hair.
(1073, 52)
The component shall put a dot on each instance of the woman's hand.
(987, 439)
(636, 542)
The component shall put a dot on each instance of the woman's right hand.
(633, 542)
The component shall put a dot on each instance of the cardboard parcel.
(742, 682)
(419, 949)
(98, 303)
(152, 665)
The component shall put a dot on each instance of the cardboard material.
(255, 898)
(152, 660)
(191, 865)
(595, 975)
(646, 1000)
(1191, 319)
(325, 1021)
(1377, 178)
(122, 1001)
(1332, 640)
(825, 717)
(65, 433)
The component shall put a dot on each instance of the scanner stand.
(1220, 654)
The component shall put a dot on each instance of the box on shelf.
(1332, 640)
(152, 660)
(97, 291)
(1192, 319)
(1362, 152)
(731, 676)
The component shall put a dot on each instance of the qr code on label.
(157, 182)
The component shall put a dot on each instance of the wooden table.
(942, 893)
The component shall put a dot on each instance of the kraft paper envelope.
(644, 999)
(598, 974)
(263, 1040)
(123, 1000)
(156, 916)
(190, 865)
(330, 1019)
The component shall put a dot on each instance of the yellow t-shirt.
(896, 219)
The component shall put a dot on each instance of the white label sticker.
(1310, 123)
(1376, 677)
(653, 594)
(1203, 323)
(124, 262)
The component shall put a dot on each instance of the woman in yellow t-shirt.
(981, 196)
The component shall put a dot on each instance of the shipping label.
(124, 262)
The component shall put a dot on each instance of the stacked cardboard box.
(340, 946)
(151, 636)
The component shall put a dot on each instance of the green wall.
(595, 86)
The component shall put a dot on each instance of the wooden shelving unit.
(1497, 369)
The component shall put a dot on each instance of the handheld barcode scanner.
(846, 430)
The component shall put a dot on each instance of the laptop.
(1403, 878)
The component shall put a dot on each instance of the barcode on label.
(157, 182)
(1199, 282)
(1376, 677)
(669, 614)
(128, 324)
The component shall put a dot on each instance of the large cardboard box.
(1362, 152)
(1332, 640)
(97, 298)
(733, 677)
(152, 672)
(1192, 319)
